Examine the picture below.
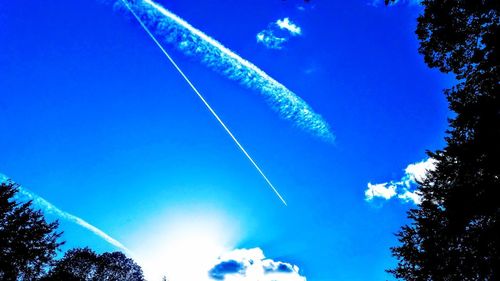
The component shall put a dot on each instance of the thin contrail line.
(51, 208)
(204, 101)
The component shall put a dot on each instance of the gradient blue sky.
(97, 121)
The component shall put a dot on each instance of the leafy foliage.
(455, 233)
(28, 243)
(85, 265)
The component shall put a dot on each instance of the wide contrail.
(171, 29)
(204, 101)
(48, 207)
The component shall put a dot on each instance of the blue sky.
(99, 123)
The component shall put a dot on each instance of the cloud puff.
(405, 188)
(270, 40)
(287, 24)
(252, 265)
(278, 33)
(382, 190)
(417, 172)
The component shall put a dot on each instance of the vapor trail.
(48, 207)
(204, 102)
(171, 29)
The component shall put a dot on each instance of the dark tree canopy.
(117, 267)
(28, 243)
(85, 265)
(455, 233)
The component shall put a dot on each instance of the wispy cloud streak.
(171, 29)
(49, 208)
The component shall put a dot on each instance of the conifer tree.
(28, 244)
(454, 234)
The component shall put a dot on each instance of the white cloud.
(410, 196)
(271, 41)
(417, 172)
(278, 33)
(252, 265)
(287, 24)
(383, 190)
(405, 187)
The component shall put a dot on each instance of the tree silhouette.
(455, 233)
(85, 265)
(27, 242)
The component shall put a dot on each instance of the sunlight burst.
(187, 247)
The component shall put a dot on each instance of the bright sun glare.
(187, 247)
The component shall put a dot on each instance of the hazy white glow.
(184, 245)
(191, 251)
